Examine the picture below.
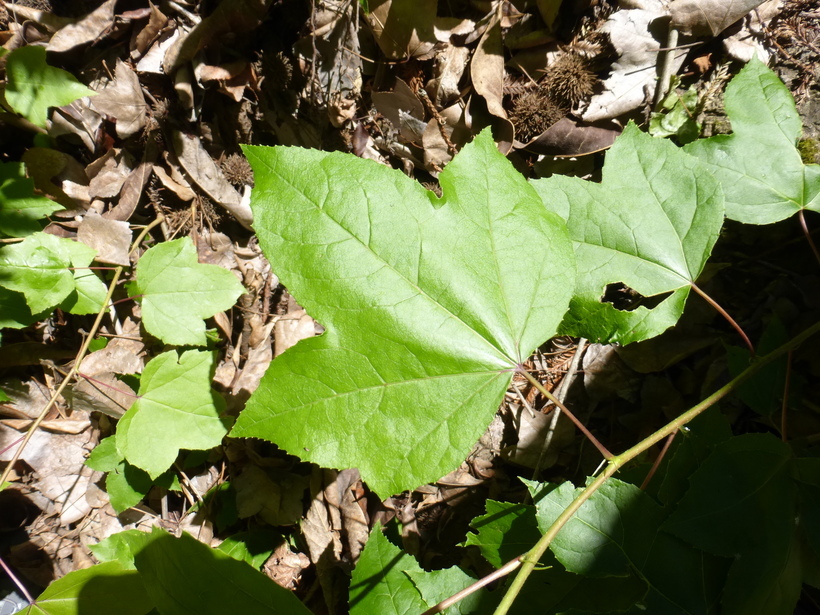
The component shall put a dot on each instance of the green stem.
(530, 560)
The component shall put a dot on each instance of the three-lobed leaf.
(176, 409)
(764, 179)
(429, 303)
(32, 86)
(649, 225)
(177, 292)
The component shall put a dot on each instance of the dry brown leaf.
(110, 238)
(235, 17)
(290, 329)
(77, 119)
(107, 180)
(134, 186)
(147, 35)
(86, 30)
(404, 110)
(633, 78)
(285, 566)
(403, 28)
(205, 173)
(47, 19)
(705, 17)
(182, 190)
(487, 74)
(448, 70)
(122, 101)
(569, 138)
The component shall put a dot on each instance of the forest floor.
(181, 86)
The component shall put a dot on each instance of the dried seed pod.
(569, 80)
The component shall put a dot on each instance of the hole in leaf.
(627, 299)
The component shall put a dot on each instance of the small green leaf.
(33, 86)
(380, 582)
(184, 576)
(438, 585)
(177, 292)
(3, 396)
(38, 267)
(20, 208)
(650, 225)
(506, 531)
(100, 590)
(253, 547)
(14, 311)
(764, 179)
(176, 410)
(430, 304)
(676, 115)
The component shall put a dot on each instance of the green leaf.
(177, 292)
(763, 177)
(506, 531)
(617, 533)
(380, 582)
(676, 115)
(20, 208)
(120, 547)
(3, 396)
(253, 547)
(89, 291)
(650, 225)
(742, 504)
(764, 392)
(176, 410)
(14, 311)
(429, 305)
(438, 585)
(125, 484)
(39, 266)
(100, 590)
(185, 577)
(33, 86)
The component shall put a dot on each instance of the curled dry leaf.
(291, 329)
(176, 184)
(86, 30)
(122, 101)
(143, 40)
(403, 29)
(403, 108)
(79, 120)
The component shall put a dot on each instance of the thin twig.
(561, 393)
(728, 318)
(802, 217)
(14, 578)
(604, 451)
(657, 463)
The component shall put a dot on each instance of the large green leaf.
(429, 305)
(176, 409)
(177, 292)
(99, 590)
(506, 531)
(742, 503)
(380, 582)
(617, 533)
(20, 208)
(650, 225)
(763, 177)
(50, 270)
(185, 577)
(33, 86)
